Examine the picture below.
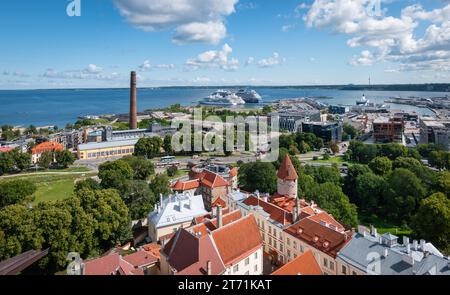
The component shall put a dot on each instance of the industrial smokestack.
(133, 109)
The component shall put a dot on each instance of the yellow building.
(104, 150)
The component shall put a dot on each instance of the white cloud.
(166, 66)
(214, 59)
(16, 74)
(145, 66)
(393, 39)
(193, 20)
(92, 69)
(287, 28)
(272, 61)
(250, 61)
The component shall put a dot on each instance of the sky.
(96, 43)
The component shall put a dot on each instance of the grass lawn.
(383, 226)
(331, 160)
(52, 187)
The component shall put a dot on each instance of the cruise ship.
(249, 96)
(363, 101)
(223, 97)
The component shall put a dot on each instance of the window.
(236, 268)
(301, 248)
(281, 247)
(325, 262)
(294, 243)
(288, 241)
(274, 243)
(354, 273)
(289, 253)
(331, 265)
(256, 267)
(270, 241)
(247, 261)
(256, 255)
(344, 269)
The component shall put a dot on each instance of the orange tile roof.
(48, 146)
(112, 264)
(189, 254)
(211, 225)
(213, 180)
(153, 248)
(185, 185)
(319, 236)
(287, 170)
(141, 258)
(278, 214)
(234, 172)
(237, 240)
(219, 202)
(326, 218)
(5, 149)
(304, 264)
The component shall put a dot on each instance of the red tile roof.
(219, 202)
(233, 171)
(328, 220)
(211, 225)
(287, 170)
(141, 258)
(48, 146)
(5, 149)
(188, 254)
(153, 248)
(304, 264)
(200, 219)
(213, 180)
(112, 264)
(237, 240)
(185, 185)
(319, 236)
(278, 214)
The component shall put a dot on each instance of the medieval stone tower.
(287, 179)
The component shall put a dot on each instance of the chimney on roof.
(133, 108)
(180, 205)
(161, 201)
(408, 248)
(386, 253)
(190, 203)
(219, 216)
(415, 245)
(422, 245)
(405, 240)
(208, 268)
(373, 231)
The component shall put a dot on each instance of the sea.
(60, 107)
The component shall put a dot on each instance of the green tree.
(381, 166)
(349, 130)
(148, 147)
(331, 198)
(362, 153)
(6, 163)
(323, 174)
(16, 191)
(438, 159)
(258, 176)
(443, 182)
(369, 192)
(334, 147)
(22, 161)
(350, 180)
(115, 174)
(88, 183)
(64, 158)
(432, 221)
(46, 160)
(160, 185)
(139, 198)
(141, 167)
(167, 144)
(405, 192)
(392, 150)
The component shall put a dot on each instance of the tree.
(425, 149)
(141, 167)
(167, 144)
(438, 159)
(64, 158)
(392, 150)
(369, 192)
(443, 182)
(432, 221)
(405, 192)
(323, 174)
(16, 191)
(258, 176)
(6, 163)
(22, 161)
(331, 198)
(381, 166)
(88, 183)
(148, 147)
(362, 153)
(139, 198)
(46, 160)
(172, 170)
(267, 109)
(351, 179)
(160, 185)
(334, 147)
(349, 130)
(115, 174)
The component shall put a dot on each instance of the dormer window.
(326, 244)
(316, 238)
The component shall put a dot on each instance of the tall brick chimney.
(133, 109)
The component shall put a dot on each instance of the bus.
(167, 161)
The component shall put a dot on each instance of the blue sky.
(222, 42)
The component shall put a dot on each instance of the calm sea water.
(59, 107)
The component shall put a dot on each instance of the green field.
(331, 160)
(52, 187)
(383, 226)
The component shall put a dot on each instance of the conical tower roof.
(287, 170)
